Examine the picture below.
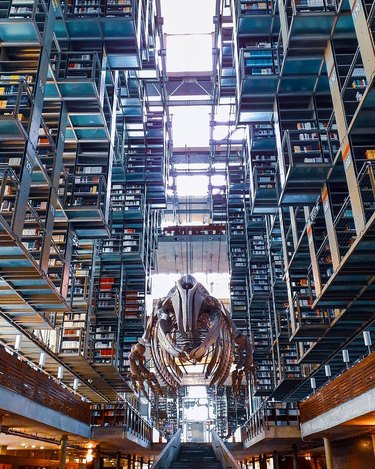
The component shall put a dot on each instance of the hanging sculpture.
(190, 326)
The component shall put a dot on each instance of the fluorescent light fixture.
(42, 359)
(18, 342)
(60, 372)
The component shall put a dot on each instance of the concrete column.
(275, 458)
(62, 454)
(328, 453)
(97, 458)
(118, 460)
(373, 442)
(295, 458)
(3, 449)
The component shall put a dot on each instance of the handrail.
(121, 414)
(222, 453)
(169, 453)
(350, 384)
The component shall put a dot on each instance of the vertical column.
(62, 453)
(35, 120)
(314, 262)
(295, 458)
(350, 174)
(328, 453)
(97, 458)
(275, 458)
(366, 44)
(253, 462)
(118, 460)
(332, 238)
(57, 166)
(373, 442)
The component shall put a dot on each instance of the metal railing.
(222, 453)
(351, 384)
(85, 191)
(121, 415)
(35, 12)
(16, 102)
(101, 8)
(259, 62)
(306, 6)
(366, 184)
(169, 453)
(20, 377)
(270, 414)
(345, 227)
(249, 8)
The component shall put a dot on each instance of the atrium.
(146, 142)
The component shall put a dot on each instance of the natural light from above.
(180, 16)
(188, 35)
(189, 53)
(191, 126)
(196, 186)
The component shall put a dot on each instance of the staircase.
(196, 456)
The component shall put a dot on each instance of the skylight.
(189, 53)
(195, 186)
(188, 34)
(188, 17)
(191, 126)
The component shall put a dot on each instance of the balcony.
(255, 17)
(258, 79)
(340, 402)
(273, 421)
(117, 23)
(306, 161)
(29, 297)
(23, 21)
(356, 268)
(120, 421)
(307, 18)
(309, 323)
(85, 205)
(18, 376)
(15, 107)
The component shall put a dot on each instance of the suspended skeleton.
(189, 326)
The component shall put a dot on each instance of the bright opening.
(188, 34)
(191, 126)
(180, 16)
(189, 53)
(192, 186)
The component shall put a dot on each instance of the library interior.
(187, 234)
